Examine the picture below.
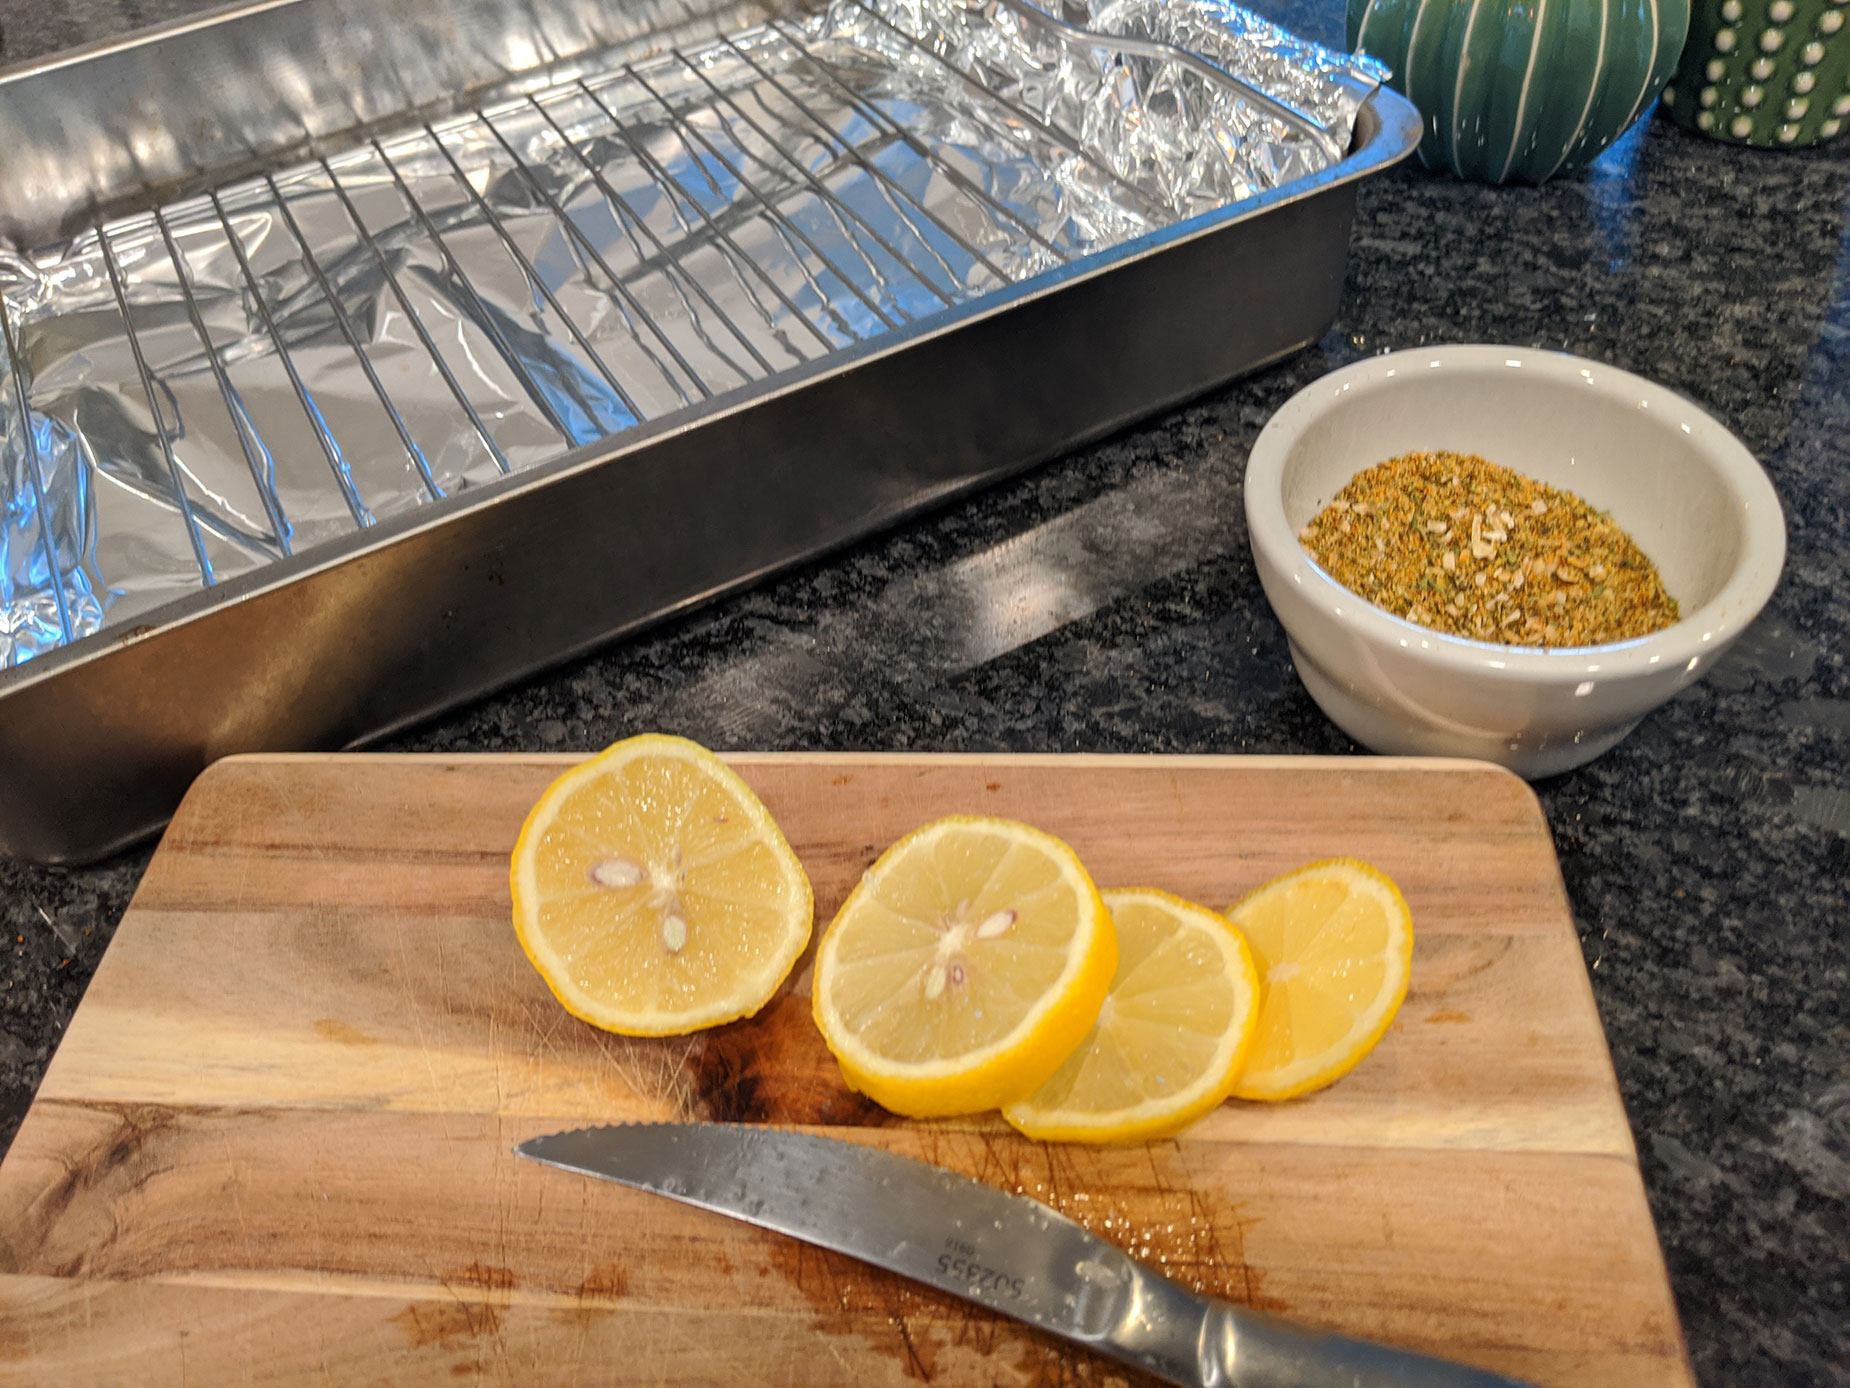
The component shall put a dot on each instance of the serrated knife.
(1007, 1252)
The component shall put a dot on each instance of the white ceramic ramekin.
(1685, 488)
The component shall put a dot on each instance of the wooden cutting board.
(273, 1147)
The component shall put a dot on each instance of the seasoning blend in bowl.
(1504, 554)
(1460, 545)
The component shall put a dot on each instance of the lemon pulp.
(1333, 943)
(655, 894)
(964, 967)
(1170, 1038)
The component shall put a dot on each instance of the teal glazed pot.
(1770, 73)
(1521, 91)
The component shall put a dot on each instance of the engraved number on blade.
(959, 1260)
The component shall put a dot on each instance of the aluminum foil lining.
(246, 374)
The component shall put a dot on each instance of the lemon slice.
(964, 967)
(1334, 945)
(654, 892)
(1172, 1034)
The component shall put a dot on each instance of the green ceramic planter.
(1773, 73)
(1519, 91)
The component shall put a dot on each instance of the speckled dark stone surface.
(1108, 602)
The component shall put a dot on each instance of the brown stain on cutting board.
(768, 1068)
(488, 1277)
(470, 1322)
(1142, 1199)
(447, 1325)
(605, 1282)
(773, 1068)
(598, 1295)
(333, 1029)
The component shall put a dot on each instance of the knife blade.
(1007, 1252)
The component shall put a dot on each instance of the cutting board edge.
(1207, 760)
(1507, 781)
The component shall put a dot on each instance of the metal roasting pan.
(349, 640)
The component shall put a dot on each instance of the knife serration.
(1007, 1252)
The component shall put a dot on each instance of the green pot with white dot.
(1521, 91)
(1771, 73)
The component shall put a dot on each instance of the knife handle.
(1247, 1349)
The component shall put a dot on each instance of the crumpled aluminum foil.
(1185, 140)
(246, 374)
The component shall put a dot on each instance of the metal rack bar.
(1020, 112)
(763, 201)
(1304, 123)
(631, 223)
(881, 178)
(535, 279)
(412, 451)
(883, 187)
(623, 292)
(820, 188)
(181, 500)
(684, 127)
(826, 204)
(417, 323)
(262, 473)
(329, 448)
(873, 113)
(485, 318)
(53, 570)
(679, 193)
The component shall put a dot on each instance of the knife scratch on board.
(912, 1353)
(233, 1183)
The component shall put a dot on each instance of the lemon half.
(654, 892)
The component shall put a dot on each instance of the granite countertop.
(1707, 857)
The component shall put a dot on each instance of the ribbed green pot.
(1519, 91)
